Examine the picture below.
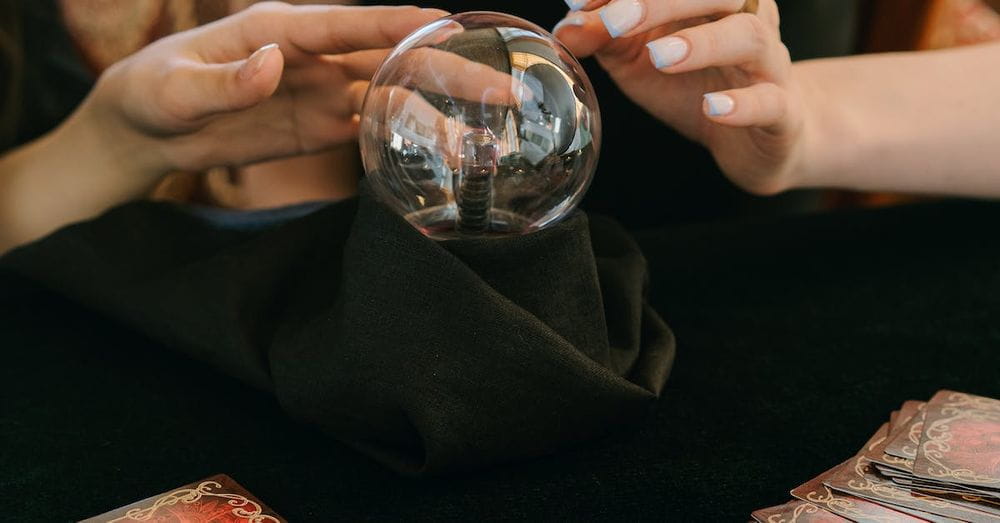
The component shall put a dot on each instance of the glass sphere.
(480, 124)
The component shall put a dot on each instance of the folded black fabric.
(427, 356)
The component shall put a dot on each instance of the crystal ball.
(480, 124)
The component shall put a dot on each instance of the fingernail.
(576, 5)
(573, 20)
(621, 16)
(719, 104)
(667, 51)
(255, 62)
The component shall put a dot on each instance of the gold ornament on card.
(243, 508)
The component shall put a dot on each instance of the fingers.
(762, 105)
(624, 18)
(749, 42)
(582, 33)
(441, 72)
(740, 40)
(191, 91)
(599, 22)
(458, 77)
(306, 30)
(356, 95)
(409, 105)
(587, 5)
(360, 65)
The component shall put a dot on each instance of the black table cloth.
(795, 337)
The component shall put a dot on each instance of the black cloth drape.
(426, 356)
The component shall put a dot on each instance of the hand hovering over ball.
(718, 75)
(716, 70)
(274, 80)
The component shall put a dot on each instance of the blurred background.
(903, 25)
(52, 50)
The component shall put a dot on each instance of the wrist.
(830, 134)
(75, 172)
(105, 142)
(809, 157)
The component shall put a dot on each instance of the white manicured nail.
(253, 64)
(667, 51)
(574, 20)
(621, 16)
(719, 104)
(576, 5)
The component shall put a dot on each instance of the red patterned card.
(960, 441)
(218, 499)
(796, 511)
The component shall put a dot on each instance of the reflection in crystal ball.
(480, 124)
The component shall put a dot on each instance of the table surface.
(796, 337)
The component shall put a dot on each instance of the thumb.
(209, 89)
(256, 77)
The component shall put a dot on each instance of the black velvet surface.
(796, 337)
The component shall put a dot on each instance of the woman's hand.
(273, 80)
(717, 75)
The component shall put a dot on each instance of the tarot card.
(904, 443)
(971, 500)
(880, 436)
(218, 499)
(859, 478)
(796, 511)
(960, 441)
(850, 507)
(898, 418)
(893, 420)
(912, 482)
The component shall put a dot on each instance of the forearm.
(926, 122)
(75, 172)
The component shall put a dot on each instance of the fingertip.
(718, 105)
(255, 62)
(665, 53)
(573, 20)
(272, 70)
(622, 17)
(357, 92)
(255, 80)
(436, 13)
(423, 15)
(582, 33)
(762, 105)
(263, 69)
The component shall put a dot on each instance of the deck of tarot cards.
(933, 461)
